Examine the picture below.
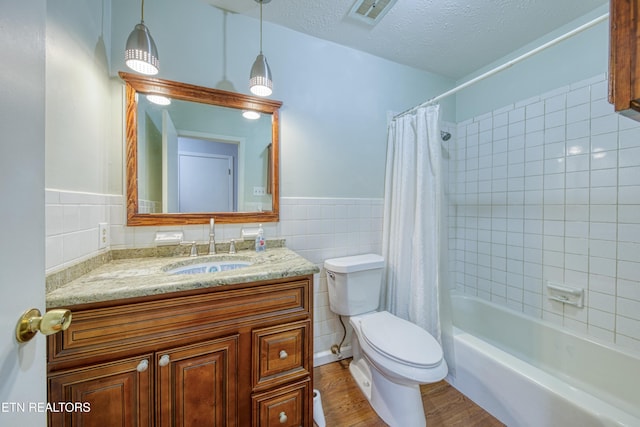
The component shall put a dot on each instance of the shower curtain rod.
(507, 64)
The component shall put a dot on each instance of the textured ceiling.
(450, 37)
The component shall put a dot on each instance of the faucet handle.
(194, 249)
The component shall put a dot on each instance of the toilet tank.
(354, 283)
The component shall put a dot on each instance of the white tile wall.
(316, 228)
(72, 226)
(549, 189)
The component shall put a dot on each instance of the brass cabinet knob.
(32, 321)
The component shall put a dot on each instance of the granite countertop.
(128, 278)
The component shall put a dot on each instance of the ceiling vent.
(370, 11)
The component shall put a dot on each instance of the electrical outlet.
(259, 191)
(103, 235)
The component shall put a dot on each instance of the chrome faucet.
(232, 247)
(212, 237)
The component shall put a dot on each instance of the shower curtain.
(413, 242)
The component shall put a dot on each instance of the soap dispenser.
(260, 242)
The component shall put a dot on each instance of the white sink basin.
(209, 267)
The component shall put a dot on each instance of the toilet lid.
(401, 340)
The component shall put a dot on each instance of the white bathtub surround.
(548, 189)
(529, 372)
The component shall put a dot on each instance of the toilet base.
(362, 374)
(398, 405)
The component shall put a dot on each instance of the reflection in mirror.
(199, 157)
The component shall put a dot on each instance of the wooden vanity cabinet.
(624, 57)
(234, 355)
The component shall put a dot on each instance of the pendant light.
(141, 54)
(260, 82)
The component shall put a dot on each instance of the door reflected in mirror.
(199, 157)
(202, 158)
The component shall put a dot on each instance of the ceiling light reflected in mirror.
(251, 115)
(159, 99)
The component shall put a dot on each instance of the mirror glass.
(199, 157)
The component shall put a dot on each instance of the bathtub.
(527, 372)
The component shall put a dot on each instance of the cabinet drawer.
(146, 326)
(286, 407)
(280, 354)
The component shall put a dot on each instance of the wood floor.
(345, 406)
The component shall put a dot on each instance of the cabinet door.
(197, 386)
(117, 394)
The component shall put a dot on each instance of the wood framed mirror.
(198, 157)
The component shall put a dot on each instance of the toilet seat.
(400, 340)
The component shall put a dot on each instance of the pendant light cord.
(142, 12)
(261, 1)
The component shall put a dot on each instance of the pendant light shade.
(140, 53)
(260, 81)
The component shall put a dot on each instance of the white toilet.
(391, 356)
